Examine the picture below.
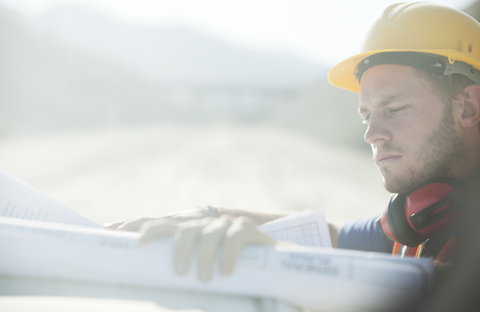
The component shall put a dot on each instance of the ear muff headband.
(397, 222)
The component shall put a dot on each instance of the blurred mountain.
(44, 86)
(173, 55)
(323, 111)
(74, 68)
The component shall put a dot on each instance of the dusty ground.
(124, 173)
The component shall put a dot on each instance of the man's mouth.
(386, 158)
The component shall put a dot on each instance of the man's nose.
(377, 130)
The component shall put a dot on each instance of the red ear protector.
(428, 211)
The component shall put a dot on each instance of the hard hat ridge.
(436, 64)
(421, 28)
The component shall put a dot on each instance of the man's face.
(412, 134)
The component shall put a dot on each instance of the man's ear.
(470, 106)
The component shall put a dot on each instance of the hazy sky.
(322, 31)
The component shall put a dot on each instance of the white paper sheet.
(308, 277)
(20, 200)
(305, 229)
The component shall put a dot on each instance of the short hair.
(448, 87)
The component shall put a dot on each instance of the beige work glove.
(192, 229)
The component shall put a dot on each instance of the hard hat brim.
(343, 76)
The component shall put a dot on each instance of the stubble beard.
(438, 156)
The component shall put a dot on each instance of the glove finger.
(186, 238)
(134, 225)
(113, 226)
(158, 228)
(209, 242)
(240, 233)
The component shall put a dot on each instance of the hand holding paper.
(208, 235)
(226, 235)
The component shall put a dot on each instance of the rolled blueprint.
(307, 277)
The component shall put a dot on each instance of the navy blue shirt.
(364, 234)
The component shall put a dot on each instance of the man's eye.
(397, 109)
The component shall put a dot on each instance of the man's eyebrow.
(387, 101)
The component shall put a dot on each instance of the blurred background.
(121, 109)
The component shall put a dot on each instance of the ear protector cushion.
(426, 196)
(410, 219)
(394, 223)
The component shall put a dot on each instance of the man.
(419, 89)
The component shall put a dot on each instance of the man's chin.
(395, 182)
(400, 184)
(393, 187)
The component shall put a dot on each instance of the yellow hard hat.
(429, 30)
